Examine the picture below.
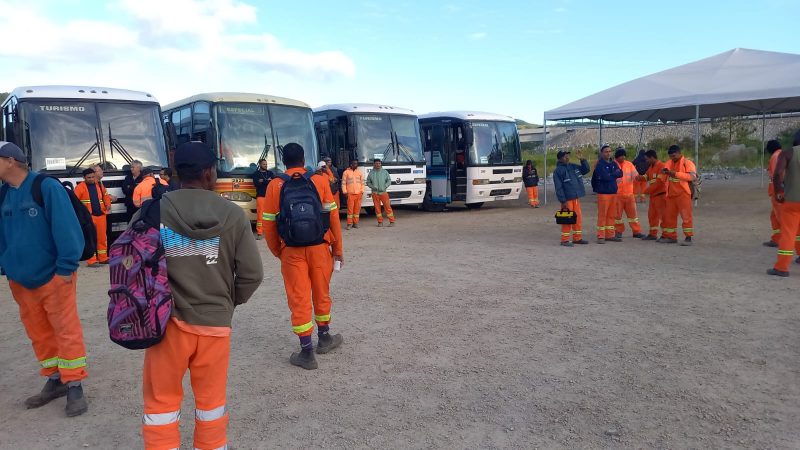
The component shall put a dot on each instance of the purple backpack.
(141, 300)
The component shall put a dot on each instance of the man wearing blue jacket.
(604, 182)
(39, 252)
(568, 179)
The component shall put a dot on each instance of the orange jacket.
(629, 173)
(352, 182)
(773, 159)
(144, 191)
(334, 235)
(82, 192)
(656, 181)
(680, 183)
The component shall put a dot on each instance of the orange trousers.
(377, 200)
(165, 364)
(790, 228)
(354, 208)
(679, 204)
(533, 195)
(606, 212)
(775, 219)
(655, 213)
(627, 203)
(638, 190)
(261, 205)
(307, 277)
(50, 316)
(575, 230)
(101, 225)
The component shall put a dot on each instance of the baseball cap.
(194, 155)
(620, 152)
(321, 165)
(672, 149)
(10, 150)
(561, 154)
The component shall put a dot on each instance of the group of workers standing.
(614, 180)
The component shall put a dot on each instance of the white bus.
(243, 128)
(366, 132)
(65, 129)
(473, 157)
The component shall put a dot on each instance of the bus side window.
(182, 121)
(201, 117)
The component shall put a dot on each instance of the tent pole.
(544, 145)
(600, 143)
(763, 146)
(697, 141)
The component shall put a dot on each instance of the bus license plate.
(499, 197)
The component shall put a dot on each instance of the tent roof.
(737, 82)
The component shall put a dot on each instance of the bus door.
(458, 162)
(438, 162)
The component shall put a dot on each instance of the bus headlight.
(422, 180)
(479, 182)
(517, 179)
(237, 196)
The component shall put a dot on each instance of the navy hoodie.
(604, 179)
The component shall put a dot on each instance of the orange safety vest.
(680, 183)
(352, 181)
(144, 191)
(629, 173)
(82, 192)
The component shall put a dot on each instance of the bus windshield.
(376, 132)
(61, 133)
(494, 143)
(247, 135)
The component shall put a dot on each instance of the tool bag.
(566, 217)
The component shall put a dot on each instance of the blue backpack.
(301, 220)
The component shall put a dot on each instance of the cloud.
(478, 36)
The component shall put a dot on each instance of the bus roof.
(81, 93)
(467, 115)
(365, 108)
(237, 97)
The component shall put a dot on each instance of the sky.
(518, 58)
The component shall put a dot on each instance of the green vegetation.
(522, 125)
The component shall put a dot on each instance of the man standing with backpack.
(302, 228)
(568, 180)
(40, 247)
(92, 194)
(213, 266)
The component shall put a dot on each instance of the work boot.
(76, 402)
(615, 239)
(566, 244)
(769, 244)
(601, 240)
(380, 224)
(329, 342)
(355, 225)
(664, 240)
(638, 235)
(391, 224)
(649, 238)
(347, 227)
(304, 359)
(258, 236)
(687, 242)
(52, 390)
(618, 235)
(777, 273)
(581, 242)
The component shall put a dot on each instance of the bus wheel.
(429, 205)
(474, 205)
(369, 210)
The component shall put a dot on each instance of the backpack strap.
(36, 189)
(3, 191)
(151, 213)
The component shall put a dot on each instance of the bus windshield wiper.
(95, 146)
(115, 144)
(404, 149)
(265, 152)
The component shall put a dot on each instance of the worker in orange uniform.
(379, 182)
(531, 180)
(626, 201)
(568, 180)
(98, 202)
(786, 182)
(604, 183)
(306, 269)
(353, 188)
(214, 268)
(144, 190)
(40, 246)
(657, 190)
(680, 172)
(261, 179)
(774, 150)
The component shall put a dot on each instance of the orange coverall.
(533, 196)
(679, 198)
(775, 214)
(657, 190)
(626, 202)
(144, 191)
(377, 200)
(100, 222)
(306, 271)
(575, 230)
(353, 186)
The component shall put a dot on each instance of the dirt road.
(474, 329)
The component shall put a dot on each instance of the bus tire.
(429, 205)
(474, 205)
(369, 210)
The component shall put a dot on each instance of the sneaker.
(687, 242)
(581, 242)
(663, 240)
(52, 390)
(615, 239)
(329, 342)
(769, 244)
(259, 237)
(797, 261)
(380, 224)
(601, 240)
(566, 244)
(391, 224)
(304, 359)
(649, 238)
(76, 402)
(355, 225)
(638, 235)
(777, 273)
(347, 227)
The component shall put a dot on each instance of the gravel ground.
(474, 329)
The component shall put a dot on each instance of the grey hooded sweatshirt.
(213, 262)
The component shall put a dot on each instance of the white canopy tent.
(737, 82)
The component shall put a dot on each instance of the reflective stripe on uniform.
(303, 328)
(635, 219)
(72, 363)
(268, 216)
(207, 415)
(785, 252)
(161, 418)
(776, 231)
(224, 447)
(49, 362)
(669, 230)
(86, 201)
(322, 318)
(577, 232)
(329, 206)
(688, 229)
(675, 180)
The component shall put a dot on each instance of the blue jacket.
(37, 243)
(604, 178)
(568, 179)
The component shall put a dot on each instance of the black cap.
(620, 152)
(773, 145)
(194, 155)
(147, 171)
(673, 149)
(560, 154)
(10, 150)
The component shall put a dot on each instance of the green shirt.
(379, 180)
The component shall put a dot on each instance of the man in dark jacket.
(604, 182)
(568, 179)
(132, 179)
(531, 179)
(261, 179)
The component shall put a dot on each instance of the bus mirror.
(171, 135)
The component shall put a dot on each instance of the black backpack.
(158, 190)
(84, 217)
(301, 219)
